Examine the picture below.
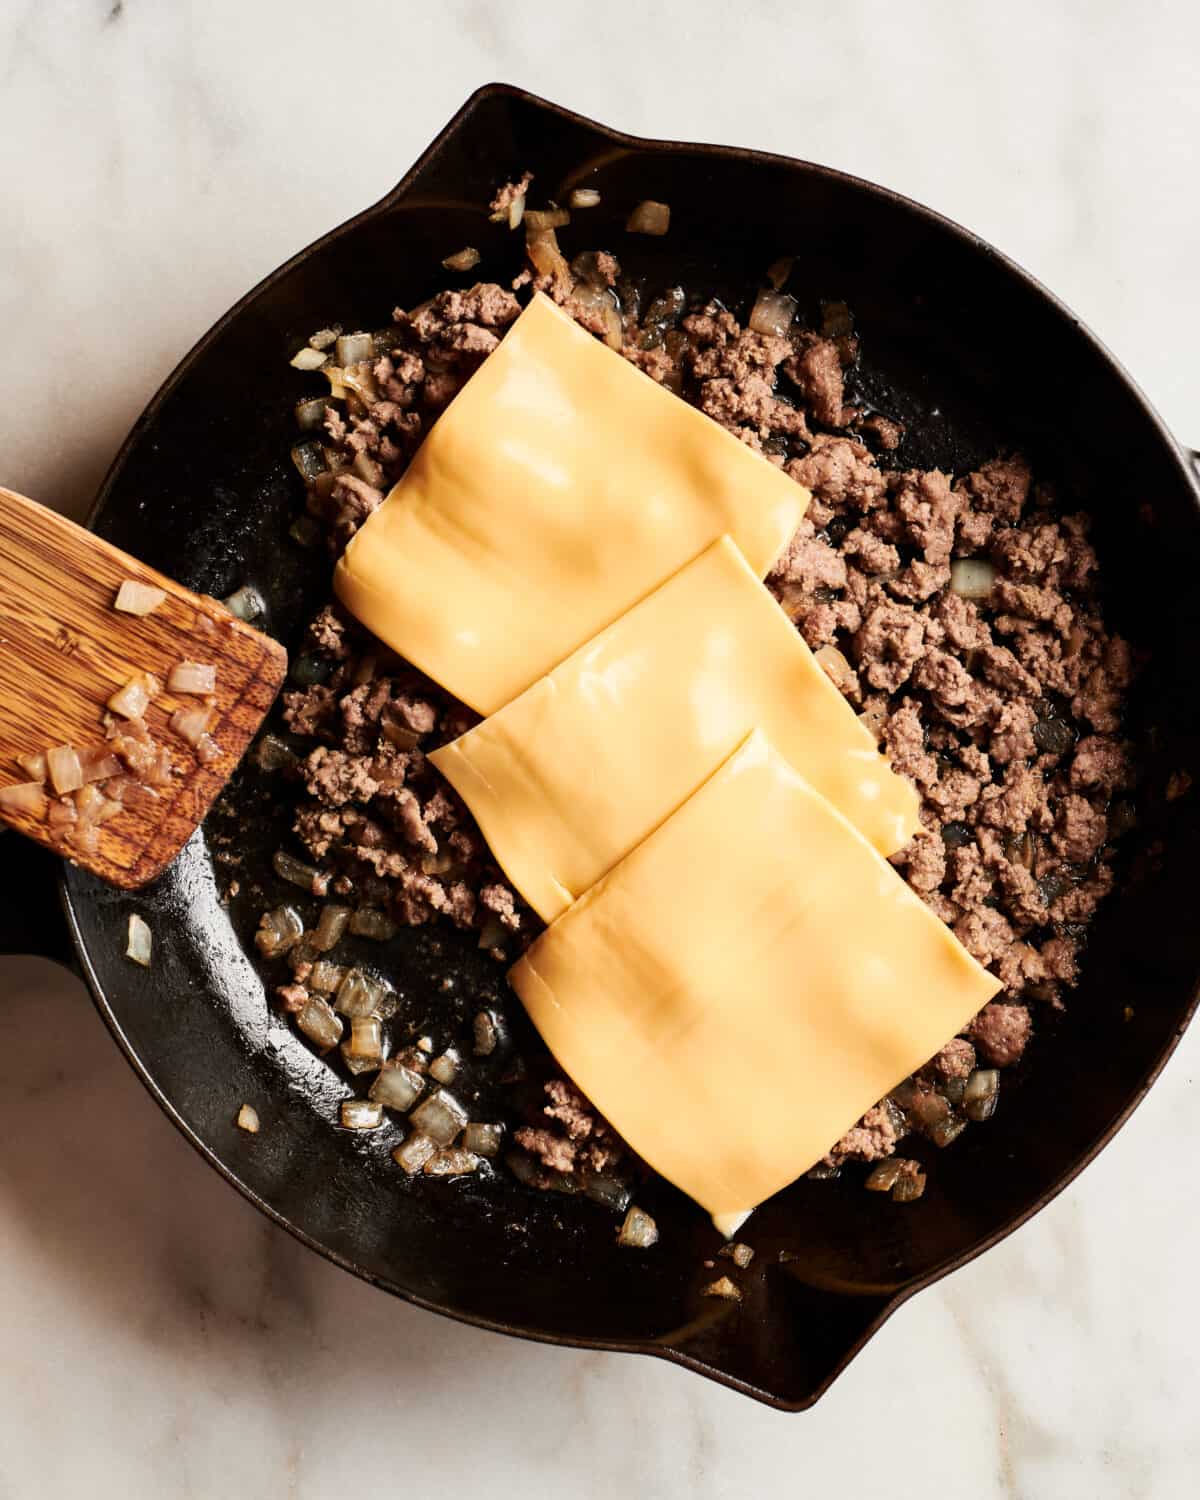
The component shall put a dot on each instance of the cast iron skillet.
(972, 355)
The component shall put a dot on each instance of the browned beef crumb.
(1004, 712)
(575, 1139)
(1001, 1032)
(509, 193)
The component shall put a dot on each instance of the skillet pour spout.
(974, 358)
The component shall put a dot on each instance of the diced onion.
(440, 1117)
(93, 807)
(132, 700)
(465, 259)
(948, 1130)
(972, 577)
(310, 414)
(773, 313)
(194, 677)
(585, 198)
(361, 1114)
(541, 245)
(135, 598)
(722, 1287)
(909, 1185)
(247, 1119)
(414, 1153)
(483, 1140)
(354, 348)
(319, 1024)
(882, 1178)
(278, 931)
(598, 299)
(982, 1094)
(296, 873)
(64, 769)
(453, 1162)
(362, 1051)
(334, 919)
(371, 923)
(309, 459)
(546, 218)
(325, 338)
(245, 603)
(397, 1085)
(360, 994)
(26, 796)
(445, 1068)
(740, 1255)
(139, 944)
(639, 1231)
(190, 724)
(274, 755)
(325, 977)
(836, 667)
(649, 217)
(308, 359)
(34, 766)
(61, 814)
(98, 763)
(603, 1188)
(487, 1033)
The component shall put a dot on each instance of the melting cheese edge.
(578, 769)
(559, 487)
(745, 983)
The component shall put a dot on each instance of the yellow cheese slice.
(559, 487)
(745, 983)
(570, 775)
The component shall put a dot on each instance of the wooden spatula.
(65, 651)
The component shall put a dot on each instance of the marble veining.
(160, 1338)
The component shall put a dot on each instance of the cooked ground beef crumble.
(1003, 709)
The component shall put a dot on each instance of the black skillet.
(973, 356)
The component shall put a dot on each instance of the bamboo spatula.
(65, 650)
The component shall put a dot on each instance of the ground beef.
(1001, 1032)
(575, 1140)
(876, 1135)
(508, 195)
(1004, 712)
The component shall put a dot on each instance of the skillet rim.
(1182, 460)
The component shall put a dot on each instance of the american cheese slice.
(745, 983)
(559, 487)
(570, 775)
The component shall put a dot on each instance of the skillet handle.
(31, 912)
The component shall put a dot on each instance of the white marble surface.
(159, 1338)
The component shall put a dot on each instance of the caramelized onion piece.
(134, 598)
(465, 259)
(64, 769)
(139, 944)
(194, 677)
(773, 313)
(34, 766)
(191, 724)
(26, 796)
(585, 198)
(308, 359)
(639, 1231)
(546, 218)
(132, 700)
